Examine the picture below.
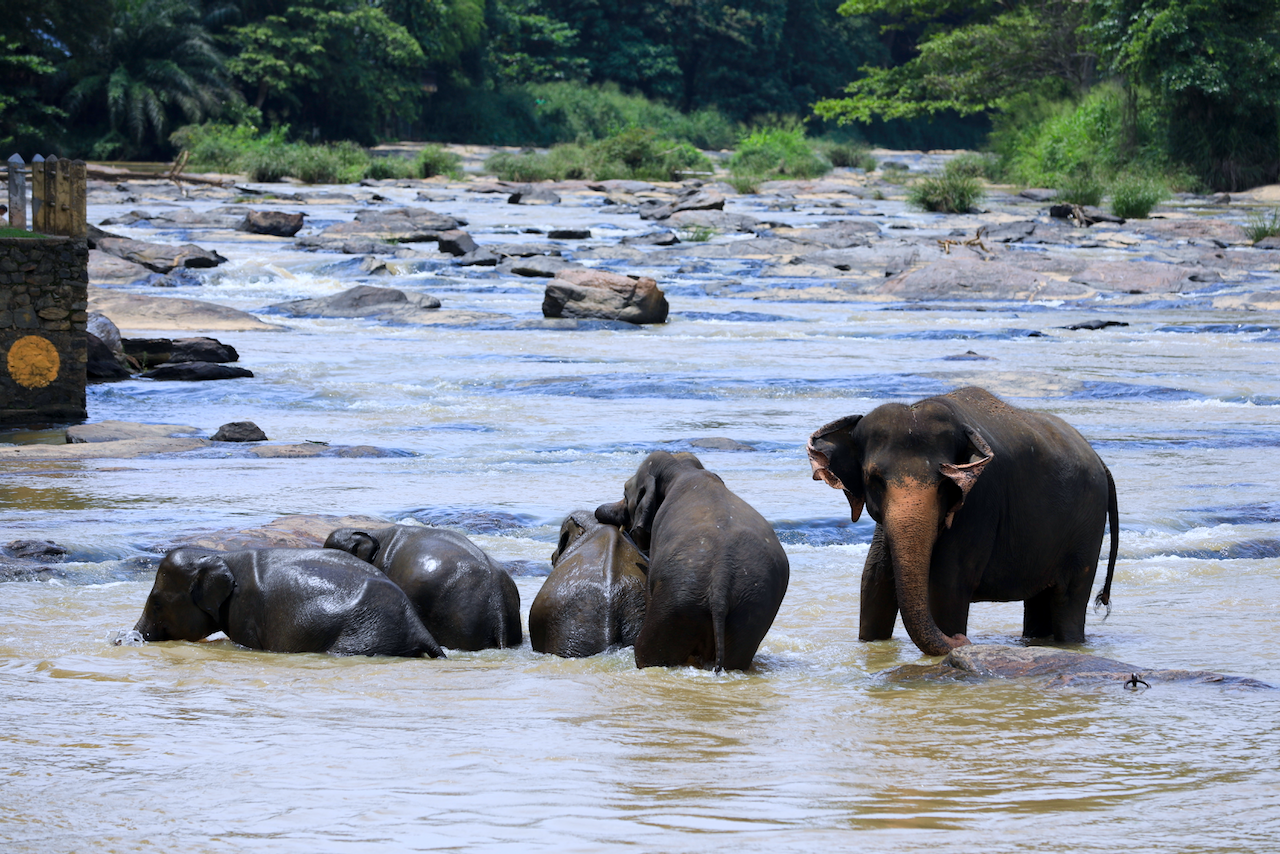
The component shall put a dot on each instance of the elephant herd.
(973, 500)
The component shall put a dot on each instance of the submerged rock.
(1056, 668)
(196, 372)
(289, 532)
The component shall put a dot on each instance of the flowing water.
(209, 747)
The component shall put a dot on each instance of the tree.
(155, 62)
(1213, 68)
(971, 57)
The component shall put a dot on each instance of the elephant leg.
(1037, 614)
(878, 610)
(949, 605)
(1071, 606)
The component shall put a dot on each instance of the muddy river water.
(500, 430)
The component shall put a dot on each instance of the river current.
(503, 430)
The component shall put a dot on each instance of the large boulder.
(273, 223)
(139, 312)
(159, 257)
(607, 296)
(400, 225)
(196, 372)
(155, 351)
(101, 363)
(387, 304)
(107, 269)
(692, 199)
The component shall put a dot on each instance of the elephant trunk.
(912, 520)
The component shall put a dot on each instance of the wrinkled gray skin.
(283, 600)
(974, 501)
(717, 573)
(465, 599)
(594, 597)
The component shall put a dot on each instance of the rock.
(1212, 230)
(1134, 277)
(719, 443)
(159, 257)
(569, 234)
(122, 449)
(837, 235)
(1056, 668)
(153, 351)
(619, 185)
(196, 372)
(1009, 232)
(1220, 199)
(871, 260)
(138, 312)
(43, 551)
(274, 223)
(456, 242)
(1084, 215)
(1039, 194)
(603, 295)
(100, 325)
(384, 304)
(963, 278)
(653, 238)
(107, 269)
(481, 256)
(239, 431)
(1096, 324)
(101, 363)
(721, 221)
(537, 266)
(968, 356)
(119, 431)
(403, 225)
(225, 216)
(693, 199)
(1272, 242)
(532, 195)
(287, 532)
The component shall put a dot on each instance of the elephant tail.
(718, 613)
(1113, 520)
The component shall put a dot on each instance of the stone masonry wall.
(44, 293)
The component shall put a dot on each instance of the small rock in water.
(239, 431)
(719, 443)
(41, 550)
(1096, 324)
(129, 637)
(968, 356)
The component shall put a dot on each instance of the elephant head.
(912, 468)
(362, 544)
(186, 601)
(644, 493)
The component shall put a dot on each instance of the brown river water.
(207, 747)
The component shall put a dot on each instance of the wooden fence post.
(17, 193)
(38, 207)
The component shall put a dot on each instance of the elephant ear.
(648, 500)
(213, 584)
(832, 440)
(965, 475)
(364, 545)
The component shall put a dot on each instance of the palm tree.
(154, 62)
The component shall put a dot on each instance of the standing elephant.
(465, 599)
(595, 596)
(974, 501)
(717, 573)
(283, 600)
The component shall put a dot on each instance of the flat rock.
(836, 235)
(159, 257)
(963, 278)
(123, 449)
(385, 304)
(1216, 230)
(1057, 668)
(118, 431)
(719, 443)
(722, 221)
(1039, 194)
(402, 225)
(569, 234)
(196, 372)
(139, 313)
(531, 194)
(1142, 277)
(693, 199)
(605, 296)
(287, 532)
(537, 266)
(306, 450)
(274, 223)
(106, 269)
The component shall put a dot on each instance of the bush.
(436, 160)
(973, 164)
(1134, 197)
(946, 193)
(850, 155)
(1260, 225)
(777, 151)
(634, 153)
(573, 112)
(1079, 189)
(391, 166)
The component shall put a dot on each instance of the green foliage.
(973, 164)
(221, 147)
(777, 150)
(946, 193)
(1133, 196)
(1079, 188)
(1260, 225)
(435, 160)
(849, 155)
(634, 154)
(697, 233)
(571, 111)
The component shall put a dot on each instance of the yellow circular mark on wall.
(33, 362)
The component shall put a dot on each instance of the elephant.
(974, 500)
(594, 597)
(283, 600)
(466, 600)
(717, 573)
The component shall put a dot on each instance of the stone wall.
(44, 293)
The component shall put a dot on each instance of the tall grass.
(946, 193)
(777, 151)
(634, 153)
(1133, 197)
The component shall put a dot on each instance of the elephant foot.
(956, 641)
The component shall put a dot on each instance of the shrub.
(1079, 189)
(946, 193)
(569, 111)
(1133, 197)
(391, 166)
(780, 150)
(1260, 225)
(973, 164)
(436, 160)
(634, 153)
(849, 155)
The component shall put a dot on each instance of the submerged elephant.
(283, 600)
(717, 573)
(594, 597)
(974, 501)
(465, 599)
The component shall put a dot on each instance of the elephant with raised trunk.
(283, 600)
(464, 598)
(594, 597)
(717, 573)
(974, 501)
